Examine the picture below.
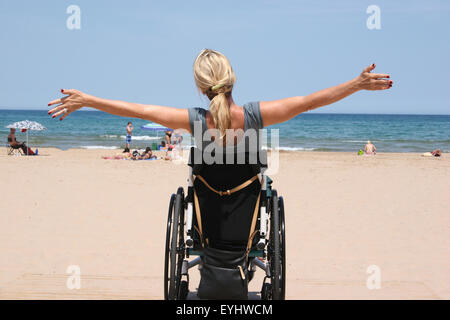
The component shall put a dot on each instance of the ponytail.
(215, 77)
(220, 112)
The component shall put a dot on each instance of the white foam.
(290, 149)
(142, 138)
(99, 147)
(109, 136)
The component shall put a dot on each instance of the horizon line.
(399, 114)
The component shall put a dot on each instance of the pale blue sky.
(143, 51)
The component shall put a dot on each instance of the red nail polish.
(62, 90)
(53, 116)
(388, 77)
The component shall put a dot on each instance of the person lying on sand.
(434, 153)
(370, 149)
(147, 154)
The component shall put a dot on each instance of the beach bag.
(224, 275)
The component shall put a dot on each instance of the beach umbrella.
(155, 127)
(27, 125)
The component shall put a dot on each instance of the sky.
(143, 51)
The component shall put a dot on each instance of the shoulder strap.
(253, 225)
(231, 191)
(199, 218)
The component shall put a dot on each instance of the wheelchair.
(225, 217)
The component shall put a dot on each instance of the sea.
(305, 132)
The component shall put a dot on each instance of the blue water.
(310, 131)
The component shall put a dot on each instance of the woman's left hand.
(373, 81)
(73, 101)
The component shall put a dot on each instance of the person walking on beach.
(215, 78)
(129, 133)
(370, 149)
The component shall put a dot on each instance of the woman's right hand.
(373, 81)
(73, 101)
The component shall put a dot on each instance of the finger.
(376, 88)
(370, 68)
(58, 113)
(383, 82)
(68, 91)
(65, 115)
(379, 76)
(61, 100)
(56, 101)
(383, 85)
(57, 108)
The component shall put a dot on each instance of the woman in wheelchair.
(230, 217)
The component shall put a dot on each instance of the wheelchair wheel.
(266, 291)
(184, 290)
(282, 249)
(274, 248)
(174, 246)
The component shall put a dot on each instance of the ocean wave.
(123, 137)
(99, 147)
(109, 136)
(359, 141)
(290, 149)
(138, 138)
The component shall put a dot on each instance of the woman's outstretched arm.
(278, 111)
(174, 118)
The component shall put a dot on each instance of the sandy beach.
(344, 213)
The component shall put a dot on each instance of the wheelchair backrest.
(225, 168)
(227, 219)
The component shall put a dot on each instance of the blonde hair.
(215, 78)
